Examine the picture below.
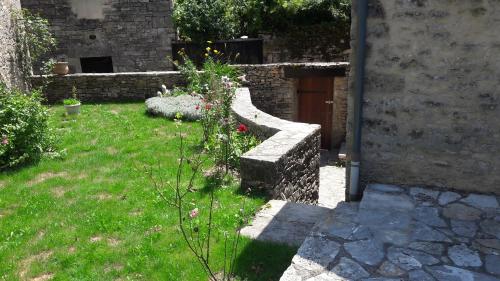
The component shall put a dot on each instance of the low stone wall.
(109, 87)
(286, 164)
(273, 86)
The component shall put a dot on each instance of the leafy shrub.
(168, 107)
(202, 20)
(24, 131)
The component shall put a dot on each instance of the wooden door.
(315, 102)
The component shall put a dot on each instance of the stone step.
(284, 222)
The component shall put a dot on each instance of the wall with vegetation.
(10, 73)
(136, 34)
(431, 102)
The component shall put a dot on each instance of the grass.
(93, 215)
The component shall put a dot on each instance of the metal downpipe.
(354, 188)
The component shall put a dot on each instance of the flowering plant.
(196, 225)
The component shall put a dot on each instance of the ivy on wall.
(33, 40)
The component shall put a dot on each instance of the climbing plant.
(34, 40)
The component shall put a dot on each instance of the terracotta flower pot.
(61, 68)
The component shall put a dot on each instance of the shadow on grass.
(263, 261)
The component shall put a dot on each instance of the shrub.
(24, 131)
(168, 107)
(202, 20)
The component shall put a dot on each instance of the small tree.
(203, 20)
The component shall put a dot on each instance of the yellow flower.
(208, 49)
(209, 42)
(216, 52)
(206, 55)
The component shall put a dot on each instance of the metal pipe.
(362, 10)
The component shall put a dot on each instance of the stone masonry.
(431, 101)
(273, 90)
(109, 87)
(137, 34)
(10, 73)
(286, 164)
(406, 234)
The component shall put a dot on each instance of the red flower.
(208, 106)
(242, 128)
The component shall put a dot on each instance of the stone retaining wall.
(273, 86)
(286, 164)
(109, 87)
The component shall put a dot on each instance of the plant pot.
(61, 68)
(72, 109)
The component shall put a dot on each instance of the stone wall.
(136, 34)
(109, 87)
(318, 43)
(272, 86)
(286, 164)
(431, 102)
(10, 73)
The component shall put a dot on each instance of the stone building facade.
(133, 35)
(10, 73)
(431, 101)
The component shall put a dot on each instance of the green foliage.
(24, 131)
(217, 83)
(74, 97)
(71, 101)
(34, 40)
(202, 20)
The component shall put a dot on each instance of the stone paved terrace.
(404, 234)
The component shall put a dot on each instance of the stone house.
(430, 103)
(109, 35)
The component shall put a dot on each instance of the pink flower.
(197, 107)
(194, 213)
(242, 128)
(5, 140)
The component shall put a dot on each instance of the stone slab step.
(284, 222)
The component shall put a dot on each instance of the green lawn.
(93, 215)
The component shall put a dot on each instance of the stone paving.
(404, 234)
(290, 223)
